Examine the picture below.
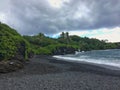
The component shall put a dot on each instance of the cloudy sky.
(92, 18)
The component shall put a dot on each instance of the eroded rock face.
(64, 50)
(20, 53)
(9, 66)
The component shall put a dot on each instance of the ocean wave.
(103, 61)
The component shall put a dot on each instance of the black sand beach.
(47, 73)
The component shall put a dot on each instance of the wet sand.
(47, 73)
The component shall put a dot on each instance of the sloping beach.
(47, 73)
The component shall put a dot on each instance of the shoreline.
(47, 73)
(91, 64)
(88, 66)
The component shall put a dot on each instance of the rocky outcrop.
(9, 66)
(64, 50)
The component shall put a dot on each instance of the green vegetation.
(44, 45)
(12, 44)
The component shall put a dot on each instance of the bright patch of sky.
(83, 17)
(2, 17)
(112, 35)
(57, 3)
(82, 11)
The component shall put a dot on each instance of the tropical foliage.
(42, 44)
(11, 42)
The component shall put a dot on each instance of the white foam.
(115, 63)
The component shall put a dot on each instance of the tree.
(62, 35)
(67, 38)
(41, 35)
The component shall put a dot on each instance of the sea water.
(105, 57)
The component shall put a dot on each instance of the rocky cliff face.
(64, 50)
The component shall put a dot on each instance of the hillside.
(13, 49)
(66, 44)
(16, 49)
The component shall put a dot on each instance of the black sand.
(46, 73)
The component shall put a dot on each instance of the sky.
(87, 18)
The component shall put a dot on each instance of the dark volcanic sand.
(45, 73)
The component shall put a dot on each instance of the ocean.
(99, 57)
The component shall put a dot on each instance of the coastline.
(89, 66)
(47, 73)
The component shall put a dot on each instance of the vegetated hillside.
(65, 44)
(12, 44)
(15, 49)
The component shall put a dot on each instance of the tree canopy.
(41, 42)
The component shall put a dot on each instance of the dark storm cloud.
(34, 16)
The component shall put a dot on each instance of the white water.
(104, 57)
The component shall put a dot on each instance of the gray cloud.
(34, 16)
